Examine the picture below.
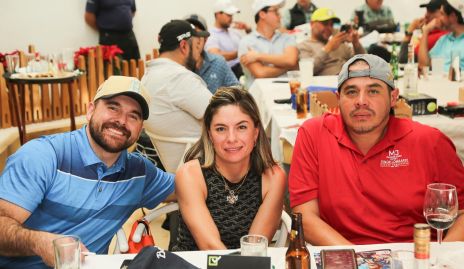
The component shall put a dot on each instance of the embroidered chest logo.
(394, 159)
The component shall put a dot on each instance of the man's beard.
(191, 63)
(96, 132)
(225, 25)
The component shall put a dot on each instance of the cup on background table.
(402, 259)
(295, 84)
(67, 60)
(12, 63)
(306, 71)
(253, 245)
(438, 64)
(67, 252)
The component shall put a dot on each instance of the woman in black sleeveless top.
(230, 185)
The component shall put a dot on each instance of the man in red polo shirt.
(360, 177)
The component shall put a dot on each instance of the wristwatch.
(407, 33)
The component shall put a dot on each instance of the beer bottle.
(297, 256)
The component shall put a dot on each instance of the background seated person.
(226, 34)
(360, 177)
(373, 15)
(267, 53)
(212, 68)
(451, 18)
(329, 53)
(432, 11)
(299, 14)
(81, 183)
(230, 185)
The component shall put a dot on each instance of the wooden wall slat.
(5, 112)
(84, 100)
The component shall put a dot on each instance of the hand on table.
(44, 248)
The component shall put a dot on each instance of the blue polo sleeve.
(28, 174)
(158, 186)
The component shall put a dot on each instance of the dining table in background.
(280, 120)
(15, 81)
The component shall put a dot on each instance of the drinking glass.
(67, 252)
(402, 259)
(440, 207)
(307, 70)
(12, 63)
(295, 84)
(253, 245)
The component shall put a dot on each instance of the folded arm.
(287, 60)
(324, 234)
(259, 70)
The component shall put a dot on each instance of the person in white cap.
(360, 176)
(226, 34)
(267, 53)
(451, 18)
(81, 183)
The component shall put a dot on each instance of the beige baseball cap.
(122, 85)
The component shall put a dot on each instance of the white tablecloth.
(199, 258)
(280, 120)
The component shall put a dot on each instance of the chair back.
(281, 235)
(122, 246)
(187, 142)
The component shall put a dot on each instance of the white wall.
(54, 24)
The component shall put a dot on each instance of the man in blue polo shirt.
(82, 183)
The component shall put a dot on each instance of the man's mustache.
(117, 126)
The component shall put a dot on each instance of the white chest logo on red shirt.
(394, 159)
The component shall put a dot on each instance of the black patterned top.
(232, 220)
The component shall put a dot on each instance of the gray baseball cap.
(378, 69)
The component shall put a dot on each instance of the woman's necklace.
(232, 197)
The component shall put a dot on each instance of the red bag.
(146, 240)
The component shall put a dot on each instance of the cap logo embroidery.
(183, 36)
